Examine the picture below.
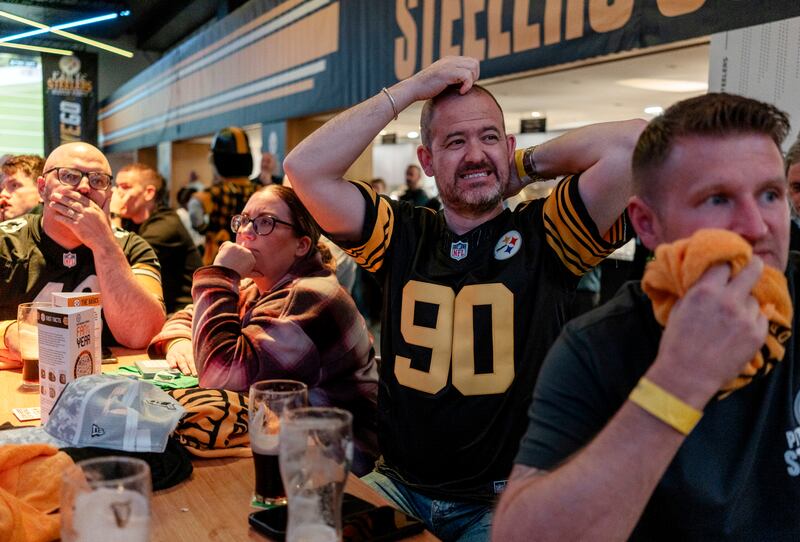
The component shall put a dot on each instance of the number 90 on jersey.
(452, 339)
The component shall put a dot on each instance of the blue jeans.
(448, 520)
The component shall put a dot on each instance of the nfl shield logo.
(69, 259)
(458, 251)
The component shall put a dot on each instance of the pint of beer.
(27, 314)
(267, 402)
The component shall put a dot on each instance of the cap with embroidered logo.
(106, 411)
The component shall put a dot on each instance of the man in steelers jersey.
(475, 294)
(71, 247)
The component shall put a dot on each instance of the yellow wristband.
(519, 154)
(665, 406)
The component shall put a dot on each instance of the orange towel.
(677, 266)
(30, 487)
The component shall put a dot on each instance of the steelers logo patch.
(508, 245)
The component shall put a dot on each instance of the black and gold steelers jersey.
(467, 320)
(33, 266)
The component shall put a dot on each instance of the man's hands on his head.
(235, 257)
(87, 220)
(450, 70)
(181, 355)
(712, 333)
(317, 168)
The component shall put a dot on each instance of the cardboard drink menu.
(67, 350)
(85, 299)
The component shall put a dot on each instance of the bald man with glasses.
(72, 247)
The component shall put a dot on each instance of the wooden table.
(215, 503)
(212, 505)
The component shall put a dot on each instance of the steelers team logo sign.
(508, 245)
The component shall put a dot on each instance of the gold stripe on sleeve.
(570, 237)
(151, 285)
(141, 269)
(370, 254)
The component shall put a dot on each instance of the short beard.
(469, 204)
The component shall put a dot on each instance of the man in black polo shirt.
(140, 190)
(612, 451)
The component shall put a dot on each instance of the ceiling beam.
(73, 5)
(170, 22)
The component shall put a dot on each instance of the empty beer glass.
(106, 499)
(316, 451)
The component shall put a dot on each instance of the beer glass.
(268, 400)
(316, 451)
(27, 314)
(105, 499)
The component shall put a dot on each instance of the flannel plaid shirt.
(306, 328)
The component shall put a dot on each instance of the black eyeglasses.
(262, 224)
(72, 177)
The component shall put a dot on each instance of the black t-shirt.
(466, 322)
(33, 266)
(736, 474)
(176, 252)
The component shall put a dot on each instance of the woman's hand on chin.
(237, 258)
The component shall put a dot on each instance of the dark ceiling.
(153, 25)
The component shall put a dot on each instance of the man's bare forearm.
(317, 166)
(133, 314)
(602, 153)
(600, 493)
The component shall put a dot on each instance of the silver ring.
(71, 213)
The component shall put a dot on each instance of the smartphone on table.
(361, 522)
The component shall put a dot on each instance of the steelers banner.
(70, 99)
(273, 60)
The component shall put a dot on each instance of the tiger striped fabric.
(215, 424)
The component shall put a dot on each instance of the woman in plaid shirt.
(270, 307)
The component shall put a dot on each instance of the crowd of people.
(669, 412)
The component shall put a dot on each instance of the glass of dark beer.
(27, 327)
(268, 400)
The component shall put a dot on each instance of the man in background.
(267, 174)
(414, 192)
(140, 190)
(18, 192)
(233, 163)
(378, 185)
